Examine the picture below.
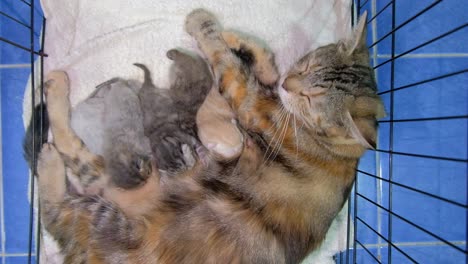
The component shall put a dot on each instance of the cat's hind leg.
(56, 216)
(81, 224)
(51, 171)
(88, 166)
(263, 63)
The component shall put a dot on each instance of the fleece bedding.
(95, 41)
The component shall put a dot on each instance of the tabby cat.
(274, 204)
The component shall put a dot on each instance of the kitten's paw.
(189, 159)
(145, 169)
(57, 84)
(201, 21)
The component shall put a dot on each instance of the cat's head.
(333, 91)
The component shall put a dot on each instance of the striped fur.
(274, 203)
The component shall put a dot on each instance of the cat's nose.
(292, 84)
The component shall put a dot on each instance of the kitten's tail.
(147, 78)
(38, 137)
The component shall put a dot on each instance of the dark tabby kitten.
(39, 135)
(274, 204)
(169, 114)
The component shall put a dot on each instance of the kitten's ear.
(359, 35)
(363, 131)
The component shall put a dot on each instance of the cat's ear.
(362, 130)
(357, 41)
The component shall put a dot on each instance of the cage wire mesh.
(409, 203)
(21, 53)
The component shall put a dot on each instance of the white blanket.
(95, 40)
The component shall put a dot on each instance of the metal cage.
(22, 30)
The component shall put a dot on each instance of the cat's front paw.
(201, 21)
(57, 84)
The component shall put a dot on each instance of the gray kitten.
(169, 114)
(127, 152)
(109, 122)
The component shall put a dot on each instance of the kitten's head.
(188, 67)
(128, 169)
(333, 91)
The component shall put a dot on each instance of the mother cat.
(274, 203)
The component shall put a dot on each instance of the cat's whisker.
(306, 119)
(283, 115)
(284, 133)
(278, 127)
(295, 136)
(278, 149)
(281, 139)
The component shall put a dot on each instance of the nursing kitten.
(109, 122)
(126, 149)
(275, 203)
(169, 114)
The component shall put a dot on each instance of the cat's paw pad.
(223, 151)
(49, 161)
(57, 84)
(200, 20)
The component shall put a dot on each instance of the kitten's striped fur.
(274, 203)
